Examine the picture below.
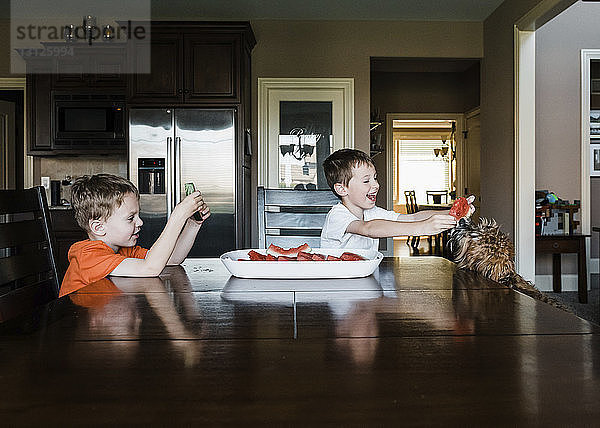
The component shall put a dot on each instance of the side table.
(559, 244)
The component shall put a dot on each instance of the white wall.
(558, 100)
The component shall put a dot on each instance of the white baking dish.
(303, 269)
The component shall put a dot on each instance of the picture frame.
(273, 93)
(595, 160)
(595, 124)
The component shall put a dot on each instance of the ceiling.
(392, 10)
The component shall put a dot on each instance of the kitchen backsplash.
(58, 168)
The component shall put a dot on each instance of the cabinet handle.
(555, 245)
(186, 91)
(179, 91)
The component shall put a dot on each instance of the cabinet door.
(73, 71)
(211, 68)
(70, 72)
(164, 82)
(110, 71)
(39, 114)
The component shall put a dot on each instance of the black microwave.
(88, 117)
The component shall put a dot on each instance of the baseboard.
(569, 280)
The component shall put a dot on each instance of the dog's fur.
(485, 249)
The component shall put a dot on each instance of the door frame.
(524, 149)
(586, 192)
(343, 88)
(389, 150)
(19, 83)
(389, 147)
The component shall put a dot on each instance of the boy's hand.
(192, 203)
(204, 210)
(437, 223)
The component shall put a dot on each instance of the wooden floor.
(418, 344)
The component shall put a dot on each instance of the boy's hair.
(95, 197)
(338, 166)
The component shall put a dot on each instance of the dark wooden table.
(560, 244)
(418, 344)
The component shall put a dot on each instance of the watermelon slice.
(318, 257)
(256, 256)
(302, 256)
(286, 259)
(351, 257)
(292, 252)
(333, 259)
(460, 208)
(271, 258)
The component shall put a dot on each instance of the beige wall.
(497, 111)
(344, 49)
(558, 100)
(421, 92)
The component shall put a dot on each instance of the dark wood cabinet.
(71, 75)
(108, 61)
(39, 114)
(192, 63)
(163, 83)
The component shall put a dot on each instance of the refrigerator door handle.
(169, 186)
(177, 170)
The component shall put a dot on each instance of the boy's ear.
(340, 189)
(97, 227)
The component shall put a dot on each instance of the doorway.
(11, 139)
(13, 90)
(426, 154)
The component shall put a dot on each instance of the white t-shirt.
(334, 233)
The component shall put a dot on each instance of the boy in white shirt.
(356, 222)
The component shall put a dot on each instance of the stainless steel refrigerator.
(169, 147)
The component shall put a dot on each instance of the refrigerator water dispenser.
(151, 176)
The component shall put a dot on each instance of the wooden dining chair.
(28, 275)
(437, 196)
(289, 218)
(411, 208)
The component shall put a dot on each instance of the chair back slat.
(28, 274)
(21, 232)
(18, 201)
(411, 202)
(293, 220)
(289, 218)
(18, 267)
(436, 196)
(305, 198)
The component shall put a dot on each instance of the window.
(424, 158)
(417, 168)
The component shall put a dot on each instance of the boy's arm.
(421, 215)
(187, 237)
(433, 225)
(160, 252)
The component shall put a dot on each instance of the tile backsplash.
(57, 168)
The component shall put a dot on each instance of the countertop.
(417, 343)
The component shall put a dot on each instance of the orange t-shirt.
(90, 261)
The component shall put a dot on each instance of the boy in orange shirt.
(107, 208)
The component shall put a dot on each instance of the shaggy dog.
(484, 249)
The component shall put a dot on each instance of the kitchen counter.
(419, 343)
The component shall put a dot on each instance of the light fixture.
(89, 25)
(298, 151)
